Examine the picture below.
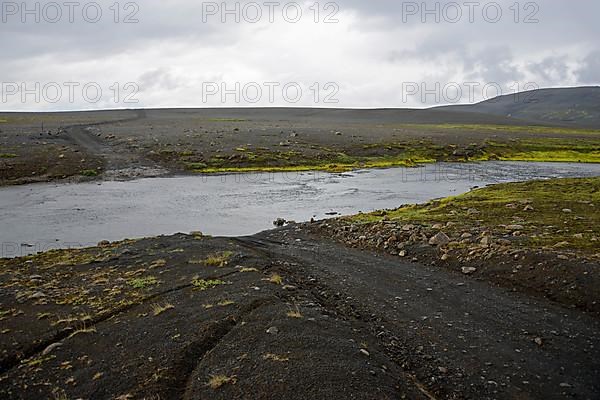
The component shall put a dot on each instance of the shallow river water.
(39, 217)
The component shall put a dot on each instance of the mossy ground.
(561, 213)
(497, 142)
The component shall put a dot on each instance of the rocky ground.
(541, 238)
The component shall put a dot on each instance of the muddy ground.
(136, 143)
(283, 314)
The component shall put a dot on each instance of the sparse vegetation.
(142, 283)
(8, 155)
(295, 313)
(276, 279)
(217, 381)
(158, 309)
(218, 259)
(203, 284)
(275, 357)
(248, 269)
(89, 172)
(225, 303)
(82, 330)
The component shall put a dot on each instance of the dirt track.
(343, 323)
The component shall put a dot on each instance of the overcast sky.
(351, 53)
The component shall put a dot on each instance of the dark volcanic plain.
(284, 314)
(132, 143)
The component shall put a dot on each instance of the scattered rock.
(279, 222)
(466, 235)
(402, 253)
(365, 352)
(273, 330)
(515, 227)
(443, 370)
(528, 208)
(486, 241)
(104, 243)
(37, 295)
(441, 239)
(539, 341)
(469, 270)
(567, 210)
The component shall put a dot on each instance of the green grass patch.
(89, 172)
(142, 283)
(8, 155)
(504, 128)
(537, 205)
(204, 284)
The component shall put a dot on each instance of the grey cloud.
(171, 48)
(589, 73)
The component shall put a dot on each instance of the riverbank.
(539, 237)
(509, 291)
(141, 143)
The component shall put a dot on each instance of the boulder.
(441, 239)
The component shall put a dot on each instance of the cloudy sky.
(347, 53)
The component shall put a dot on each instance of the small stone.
(486, 240)
(528, 208)
(567, 210)
(273, 330)
(408, 227)
(37, 295)
(365, 352)
(539, 341)
(441, 239)
(515, 227)
(402, 253)
(466, 235)
(103, 243)
(469, 270)
(565, 385)
(444, 257)
(443, 370)
(279, 222)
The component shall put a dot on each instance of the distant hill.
(579, 106)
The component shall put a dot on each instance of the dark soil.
(283, 314)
